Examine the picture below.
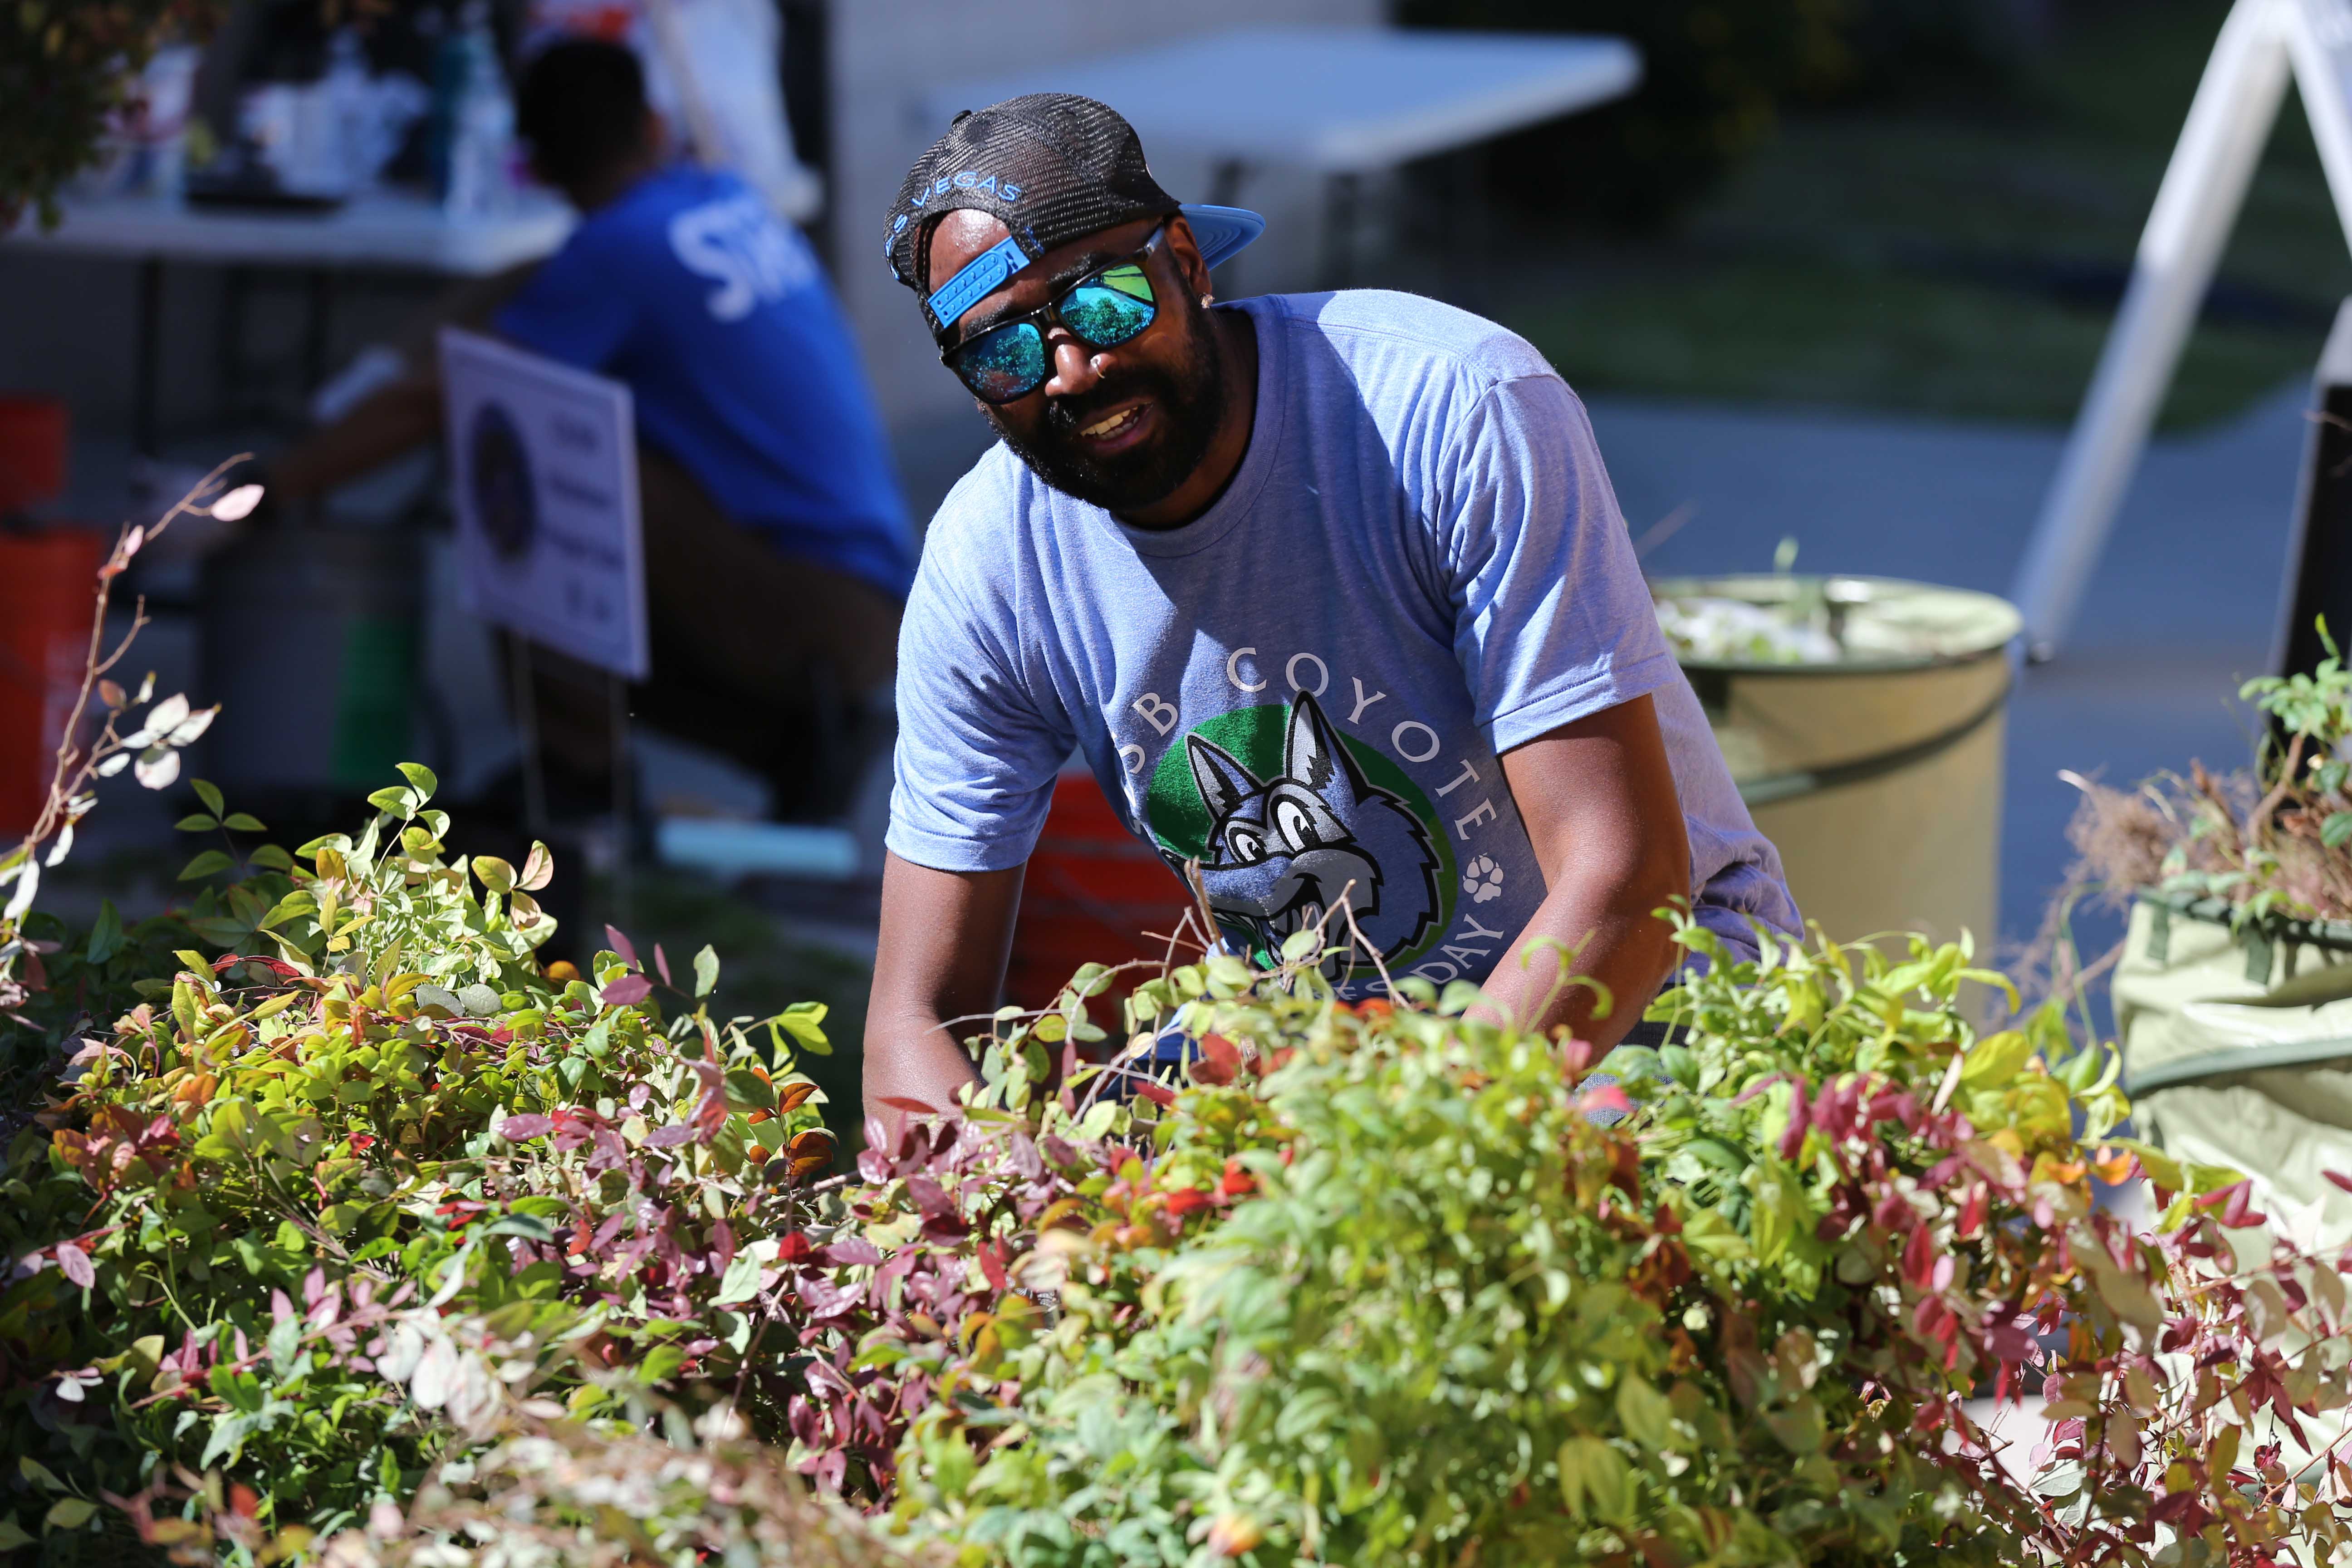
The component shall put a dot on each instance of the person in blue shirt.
(778, 552)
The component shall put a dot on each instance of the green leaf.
(1996, 1059)
(12, 1534)
(208, 792)
(69, 1513)
(105, 933)
(38, 1474)
(741, 1281)
(271, 857)
(421, 779)
(803, 1021)
(1593, 1481)
(706, 971)
(243, 822)
(1644, 1413)
(196, 821)
(395, 800)
(210, 863)
(2337, 829)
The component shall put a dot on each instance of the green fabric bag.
(2237, 1051)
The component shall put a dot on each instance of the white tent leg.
(2196, 207)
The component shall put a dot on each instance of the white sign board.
(543, 468)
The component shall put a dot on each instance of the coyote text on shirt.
(716, 314)
(1419, 565)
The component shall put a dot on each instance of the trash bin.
(2237, 1048)
(310, 643)
(1863, 719)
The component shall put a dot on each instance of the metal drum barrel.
(1877, 772)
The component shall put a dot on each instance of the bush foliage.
(364, 1236)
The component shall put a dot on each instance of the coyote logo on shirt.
(1284, 850)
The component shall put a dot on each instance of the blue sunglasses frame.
(1036, 322)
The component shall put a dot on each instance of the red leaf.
(620, 945)
(1223, 1053)
(628, 989)
(1209, 1070)
(1792, 1141)
(1608, 1097)
(74, 1264)
(992, 1264)
(2339, 1178)
(1185, 1200)
(796, 1248)
(661, 961)
(516, 1129)
(1238, 1183)
(1919, 1257)
(1155, 1091)
(1575, 1057)
(670, 1137)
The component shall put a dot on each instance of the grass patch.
(1958, 259)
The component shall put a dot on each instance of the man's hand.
(1597, 798)
(945, 936)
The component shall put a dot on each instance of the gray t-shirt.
(1419, 565)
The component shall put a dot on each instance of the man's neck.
(1232, 442)
(612, 185)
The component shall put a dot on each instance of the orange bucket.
(34, 434)
(1093, 895)
(47, 580)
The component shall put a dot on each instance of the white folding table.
(385, 230)
(1333, 101)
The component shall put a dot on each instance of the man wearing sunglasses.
(1329, 591)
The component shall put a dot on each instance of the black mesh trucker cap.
(1052, 167)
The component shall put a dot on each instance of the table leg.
(1339, 231)
(147, 326)
(319, 308)
(229, 355)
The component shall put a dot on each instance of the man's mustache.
(1067, 417)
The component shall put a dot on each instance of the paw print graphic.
(1483, 880)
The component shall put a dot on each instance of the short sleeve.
(976, 756)
(1552, 620)
(577, 306)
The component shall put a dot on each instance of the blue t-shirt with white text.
(1419, 565)
(718, 317)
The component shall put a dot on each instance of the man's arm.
(396, 418)
(1597, 798)
(945, 937)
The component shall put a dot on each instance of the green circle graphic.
(1257, 737)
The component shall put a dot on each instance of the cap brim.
(1222, 232)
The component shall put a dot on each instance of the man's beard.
(1189, 401)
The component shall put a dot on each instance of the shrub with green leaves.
(373, 1099)
(369, 1229)
(1377, 1289)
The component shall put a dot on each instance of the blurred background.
(1834, 272)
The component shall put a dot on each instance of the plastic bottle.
(349, 101)
(476, 181)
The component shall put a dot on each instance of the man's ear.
(1186, 251)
